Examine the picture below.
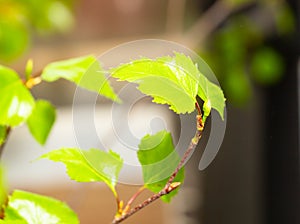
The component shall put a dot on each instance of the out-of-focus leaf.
(34, 208)
(237, 86)
(159, 159)
(41, 120)
(267, 66)
(236, 3)
(14, 39)
(85, 71)
(89, 165)
(16, 101)
(285, 20)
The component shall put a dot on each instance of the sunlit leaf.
(85, 71)
(159, 159)
(34, 208)
(171, 80)
(16, 101)
(89, 165)
(164, 80)
(41, 120)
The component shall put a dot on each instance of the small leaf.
(212, 95)
(16, 101)
(41, 120)
(85, 71)
(28, 69)
(89, 165)
(159, 159)
(34, 208)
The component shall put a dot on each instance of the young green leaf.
(212, 95)
(162, 79)
(41, 120)
(89, 165)
(33, 208)
(16, 101)
(175, 81)
(85, 71)
(159, 159)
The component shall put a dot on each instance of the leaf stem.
(131, 200)
(170, 186)
(8, 130)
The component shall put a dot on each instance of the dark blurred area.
(253, 46)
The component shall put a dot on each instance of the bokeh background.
(253, 48)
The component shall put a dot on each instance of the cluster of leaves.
(19, 18)
(172, 80)
(238, 51)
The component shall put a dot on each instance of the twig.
(175, 16)
(170, 186)
(153, 198)
(207, 23)
(131, 200)
(8, 129)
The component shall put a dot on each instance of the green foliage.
(159, 160)
(25, 207)
(84, 71)
(41, 120)
(175, 81)
(89, 165)
(16, 101)
(171, 80)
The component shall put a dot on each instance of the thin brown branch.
(170, 186)
(153, 198)
(132, 199)
(207, 23)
